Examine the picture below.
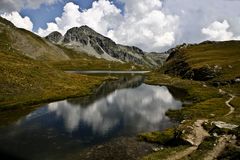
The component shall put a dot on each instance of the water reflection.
(136, 109)
(118, 108)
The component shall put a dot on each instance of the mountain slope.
(20, 41)
(84, 39)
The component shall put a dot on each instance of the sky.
(152, 25)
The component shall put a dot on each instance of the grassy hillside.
(220, 61)
(25, 81)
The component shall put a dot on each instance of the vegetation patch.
(164, 153)
(209, 109)
(159, 137)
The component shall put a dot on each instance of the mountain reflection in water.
(137, 109)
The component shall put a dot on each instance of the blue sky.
(47, 13)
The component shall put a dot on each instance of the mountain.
(79, 39)
(15, 40)
(85, 39)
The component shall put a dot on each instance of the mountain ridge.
(79, 39)
(84, 39)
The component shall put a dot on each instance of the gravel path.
(229, 105)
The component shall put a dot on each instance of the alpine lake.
(103, 125)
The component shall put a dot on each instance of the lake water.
(108, 72)
(121, 108)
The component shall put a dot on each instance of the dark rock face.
(86, 37)
(202, 74)
(54, 37)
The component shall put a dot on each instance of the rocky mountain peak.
(84, 39)
(54, 37)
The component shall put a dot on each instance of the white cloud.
(143, 23)
(101, 17)
(219, 31)
(141, 7)
(146, 26)
(16, 5)
(194, 15)
(18, 20)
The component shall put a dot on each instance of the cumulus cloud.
(18, 20)
(219, 31)
(101, 17)
(143, 23)
(194, 15)
(16, 5)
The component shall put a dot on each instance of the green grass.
(158, 137)
(212, 109)
(24, 81)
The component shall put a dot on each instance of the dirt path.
(218, 149)
(199, 133)
(229, 105)
(183, 153)
(196, 137)
(228, 101)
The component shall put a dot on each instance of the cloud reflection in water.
(138, 109)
